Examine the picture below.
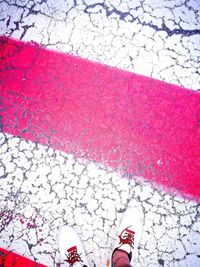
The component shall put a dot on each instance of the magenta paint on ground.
(130, 122)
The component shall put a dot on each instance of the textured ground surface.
(42, 189)
(153, 38)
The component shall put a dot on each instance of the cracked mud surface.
(42, 189)
(159, 39)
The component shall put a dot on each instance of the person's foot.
(71, 248)
(129, 235)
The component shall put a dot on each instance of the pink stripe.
(12, 259)
(134, 123)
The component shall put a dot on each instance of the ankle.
(120, 258)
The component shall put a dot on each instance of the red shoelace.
(127, 237)
(73, 256)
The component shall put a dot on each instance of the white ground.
(160, 39)
(42, 189)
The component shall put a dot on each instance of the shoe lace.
(73, 256)
(127, 237)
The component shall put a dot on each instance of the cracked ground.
(44, 186)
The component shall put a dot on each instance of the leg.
(129, 235)
(121, 259)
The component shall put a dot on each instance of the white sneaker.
(71, 248)
(129, 233)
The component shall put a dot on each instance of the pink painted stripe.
(12, 259)
(133, 123)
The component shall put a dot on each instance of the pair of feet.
(125, 249)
